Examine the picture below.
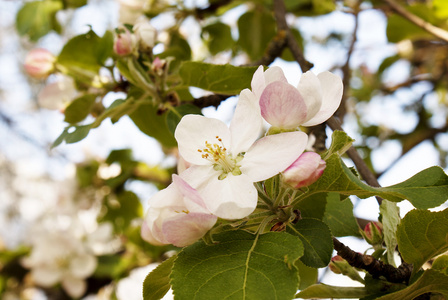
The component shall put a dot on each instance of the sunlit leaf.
(157, 283)
(37, 18)
(79, 108)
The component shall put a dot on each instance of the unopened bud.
(158, 65)
(334, 264)
(39, 63)
(306, 170)
(125, 42)
(146, 34)
(373, 233)
(338, 265)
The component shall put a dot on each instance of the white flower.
(315, 99)
(227, 161)
(177, 215)
(61, 257)
(56, 95)
(145, 33)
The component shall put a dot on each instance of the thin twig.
(434, 30)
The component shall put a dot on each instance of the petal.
(246, 124)
(234, 197)
(261, 79)
(274, 74)
(310, 89)
(147, 235)
(75, 287)
(192, 200)
(282, 105)
(83, 265)
(193, 131)
(185, 229)
(46, 276)
(332, 88)
(273, 154)
(169, 196)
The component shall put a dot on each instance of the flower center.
(221, 159)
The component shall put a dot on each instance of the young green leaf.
(239, 265)
(339, 216)
(422, 235)
(72, 134)
(79, 108)
(328, 291)
(390, 218)
(223, 79)
(157, 283)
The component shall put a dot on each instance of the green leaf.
(340, 143)
(399, 28)
(74, 3)
(441, 264)
(313, 206)
(239, 266)
(152, 124)
(390, 218)
(422, 235)
(79, 108)
(223, 79)
(121, 210)
(86, 53)
(328, 291)
(72, 134)
(218, 37)
(157, 283)
(431, 281)
(426, 189)
(317, 241)
(440, 8)
(256, 29)
(174, 116)
(36, 19)
(339, 216)
(308, 275)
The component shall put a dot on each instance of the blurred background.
(95, 191)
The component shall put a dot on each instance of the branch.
(434, 30)
(375, 267)
(282, 25)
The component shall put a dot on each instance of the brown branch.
(282, 25)
(434, 30)
(274, 50)
(210, 100)
(375, 267)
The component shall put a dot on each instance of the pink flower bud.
(334, 264)
(125, 42)
(39, 63)
(306, 170)
(373, 233)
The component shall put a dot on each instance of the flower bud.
(334, 264)
(306, 170)
(146, 34)
(373, 233)
(125, 42)
(39, 63)
(338, 265)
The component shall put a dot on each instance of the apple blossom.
(306, 170)
(177, 215)
(145, 33)
(286, 107)
(39, 63)
(125, 42)
(57, 94)
(227, 161)
(60, 257)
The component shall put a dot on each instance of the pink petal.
(185, 229)
(192, 200)
(193, 131)
(272, 154)
(282, 105)
(332, 89)
(261, 79)
(246, 123)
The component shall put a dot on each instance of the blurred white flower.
(57, 94)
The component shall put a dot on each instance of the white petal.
(75, 287)
(83, 265)
(185, 229)
(46, 276)
(274, 74)
(246, 124)
(310, 89)
(282, 105)
(332, 89)
(169, 196)
(193, 131)
(258, 82)
(191, 198)
(273, 154)
(146, 234)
